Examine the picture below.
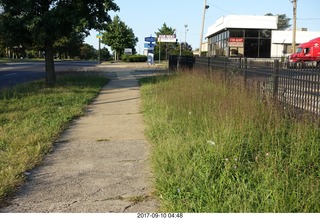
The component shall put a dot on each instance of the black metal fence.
(180, 62)
(273, 78)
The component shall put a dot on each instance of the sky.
(146, 17)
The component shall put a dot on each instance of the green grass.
(217, 148)
(9, 60)
(32, 117)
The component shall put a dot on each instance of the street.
(12, 74)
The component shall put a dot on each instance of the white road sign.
(167, 38)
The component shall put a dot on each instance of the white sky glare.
(145, 17)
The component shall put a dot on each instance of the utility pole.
(294, 2)
(205, 7)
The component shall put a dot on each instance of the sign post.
(150, 46)
(99, 36)
(159, 51)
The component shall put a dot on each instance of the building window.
(251, 48)
(287, 49)
(264, 48)
(265, 33)
(251, 33)
(236, 33)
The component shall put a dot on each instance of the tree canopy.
(119, 36)
(165, 48)
(43, 22)
(283, 21)
(165, 30)
(69, 46)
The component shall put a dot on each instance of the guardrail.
(273, 78)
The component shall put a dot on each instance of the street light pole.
(294, 25)
(180, 47)
(99, 51)
(185, 35)
(205, 7)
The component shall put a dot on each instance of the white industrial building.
(281, 41)
(252, 37)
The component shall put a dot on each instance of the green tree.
(43, 22)
(88, 52)
(165, 48)
(283, 21)
(69, 47)
(186, 50)
(119, 36)
(105, 54)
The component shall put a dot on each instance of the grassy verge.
(7, 60)
(216, 148)
(32, 116)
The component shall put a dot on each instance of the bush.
(134, 58)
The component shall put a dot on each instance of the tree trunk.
(50, 73)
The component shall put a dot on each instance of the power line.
(308, 19)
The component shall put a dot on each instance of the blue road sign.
(149, 45)
(150, 39)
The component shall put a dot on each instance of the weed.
(217, 148)
(103, 140)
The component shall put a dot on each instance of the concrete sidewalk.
(101, 163)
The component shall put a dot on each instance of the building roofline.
(243, 22)
(285, 36)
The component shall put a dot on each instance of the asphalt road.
(12, 74)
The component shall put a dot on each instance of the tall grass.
(217, 148)
(32, 116)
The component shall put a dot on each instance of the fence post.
(275, 77)
(245, 66)
(178, 63)
(225, 69)
(209, 65)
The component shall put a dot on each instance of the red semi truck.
(307, 54)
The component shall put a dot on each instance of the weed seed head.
(211, 142)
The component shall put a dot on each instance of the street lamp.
(185, 35)
(203, 17)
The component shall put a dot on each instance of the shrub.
(134, 58)
(183, 52)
